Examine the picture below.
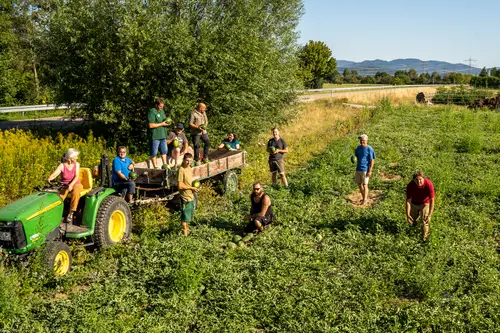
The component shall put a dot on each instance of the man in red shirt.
(420, 200)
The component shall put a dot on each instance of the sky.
(444, 30)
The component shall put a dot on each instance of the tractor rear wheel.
(58, 257)
(113, 222)
(230, 182)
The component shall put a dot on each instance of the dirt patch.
(387, 177)
(373, 197)
(394, 164)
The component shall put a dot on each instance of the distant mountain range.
(370, 67)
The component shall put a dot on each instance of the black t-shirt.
(278, 144)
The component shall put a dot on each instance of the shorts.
(277, 166)
(155, 144)
(187, 211)
(264, 220)
(361, 178)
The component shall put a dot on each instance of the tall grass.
(27, 161)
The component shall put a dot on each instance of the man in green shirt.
(184, 184)
(158, 130)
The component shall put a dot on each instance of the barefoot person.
(184, 183)
(420, 201)
(277, 147)
(158, 132)
(261, 212)
(366, 159)
(181, 146)
(69, 170)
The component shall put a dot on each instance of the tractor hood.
(30, 207)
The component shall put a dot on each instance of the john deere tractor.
(103, 218)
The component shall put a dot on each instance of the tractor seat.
(85, 177)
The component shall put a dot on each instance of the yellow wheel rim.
(61, 263)
(117, 225)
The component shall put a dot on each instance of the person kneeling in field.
(184, 183)
(69, 170)
(261, 212)
(231, 142)
(122, 166)
(420, 201)
(178, 144)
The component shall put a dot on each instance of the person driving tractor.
(69, 170)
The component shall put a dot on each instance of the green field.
(324, 267)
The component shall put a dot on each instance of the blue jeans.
(125, 187)
(155, 144)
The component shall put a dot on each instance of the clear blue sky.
(445, 30)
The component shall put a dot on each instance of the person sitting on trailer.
(176, 150)
(230, 143)
(69, 170)
(122, 166)
(261, 212)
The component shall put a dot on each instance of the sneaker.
(69, 218)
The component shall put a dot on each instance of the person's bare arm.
(56, 173)
(369, 173)
(155, 125)
(183, 186)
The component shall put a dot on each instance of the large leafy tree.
(316, 64)
(116, 56)
(484, 72)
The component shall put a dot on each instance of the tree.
(368, 80)
(435, 78)
(413, 75)
(495, 72)
(316, 63)
(383, 78)
(117, 56)
(484, 72)
(401, 77)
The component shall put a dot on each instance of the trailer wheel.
(113, 222)
(230, 181)
(58, 257)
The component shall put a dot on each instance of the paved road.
(55, 122)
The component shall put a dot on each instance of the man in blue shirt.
(366, 159)
(122, 165)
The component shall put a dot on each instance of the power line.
(470, 60)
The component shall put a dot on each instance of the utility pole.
(424, 65)
(470, 60)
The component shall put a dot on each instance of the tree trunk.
(37, 87)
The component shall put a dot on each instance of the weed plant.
(324, 266)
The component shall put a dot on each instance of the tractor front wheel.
(113, 222)
(58, 257)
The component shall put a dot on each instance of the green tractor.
(103, 218)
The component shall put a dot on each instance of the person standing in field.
(277, 147)
(365, 156)
(198, 122)
(261, 212)
(184, 183)
(420, 201)
(158, 130)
